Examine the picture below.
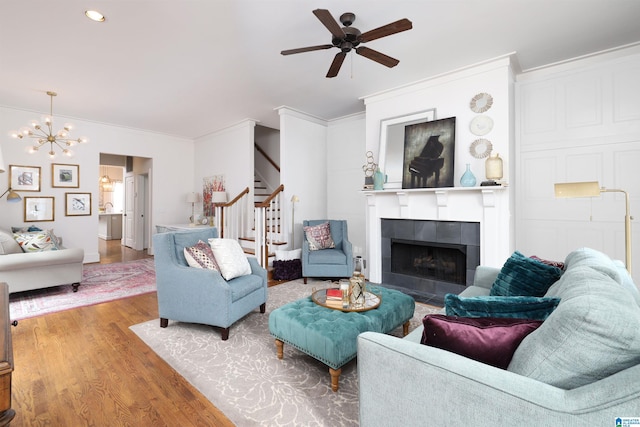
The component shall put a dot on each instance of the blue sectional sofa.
(581, 367)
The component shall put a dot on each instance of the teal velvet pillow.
(523, 276)
(496, 306)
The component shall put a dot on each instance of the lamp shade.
(219, 197)
(577, 189)
(13, 197)
(193, 197)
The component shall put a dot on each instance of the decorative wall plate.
(481, 148)
(481, 102)
(481, 125)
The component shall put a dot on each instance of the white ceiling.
(190, 67)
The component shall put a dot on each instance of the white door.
(129, 210)
(139, 212)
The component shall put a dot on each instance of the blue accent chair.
(333, 263)
(194, 295)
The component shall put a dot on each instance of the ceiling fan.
(348, 37)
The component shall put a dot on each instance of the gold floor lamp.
(593, 189)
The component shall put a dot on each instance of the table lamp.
(593, 189)
(193, 198)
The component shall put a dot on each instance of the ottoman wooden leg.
(335, 377)
(405, 328)
(279, 348)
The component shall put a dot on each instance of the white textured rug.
(243, 377)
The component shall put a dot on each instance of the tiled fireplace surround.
(485, 224)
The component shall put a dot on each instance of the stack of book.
(334, 298)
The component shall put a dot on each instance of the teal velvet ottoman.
(330, 336)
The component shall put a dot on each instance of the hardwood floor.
(112, 251)
(85, 367)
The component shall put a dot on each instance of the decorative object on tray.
(493, 170)
(481, 103)
(357, 284)
(468, 179)
(371, 301)
(480, 148)
(369, 169)
(481, 125)
(378, 180)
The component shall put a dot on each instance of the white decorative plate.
(481, 102)
(481, 125)
(481, 148)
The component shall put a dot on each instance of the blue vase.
(468, 179)
(378, 180)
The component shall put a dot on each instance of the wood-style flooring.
(85, 367)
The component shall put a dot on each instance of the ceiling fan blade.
(336, 64)
(306, 49)
(380, 58)
(386, 30)
(328, 21)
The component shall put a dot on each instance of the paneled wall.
(578, 121)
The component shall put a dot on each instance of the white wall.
(579, 121)
(228, 152)
(345, 156)
(303, 157)
(172, 174)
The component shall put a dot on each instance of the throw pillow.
(535, 308)
(201, 256)
(558, 264)
(36, 242)
(319, 236)
(8, 244)
(523, 276)
(487, 339)
(230, 258)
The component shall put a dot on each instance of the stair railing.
(268, 229)
(232, 218)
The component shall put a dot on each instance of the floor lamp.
(294, 199)
(593, 189)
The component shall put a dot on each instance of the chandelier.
(43, 134)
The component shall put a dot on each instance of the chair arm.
(180, 282)
(257, 269)
(485, 276)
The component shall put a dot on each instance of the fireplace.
(428, 259)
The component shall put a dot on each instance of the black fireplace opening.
(443, 262)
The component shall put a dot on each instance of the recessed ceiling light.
(94, 15)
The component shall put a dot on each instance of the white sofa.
(24, 271)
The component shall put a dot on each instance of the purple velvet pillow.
(488, 340)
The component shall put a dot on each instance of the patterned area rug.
(243, 377)
(100, 283)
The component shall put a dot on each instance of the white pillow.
(230, 258)
(288, 255)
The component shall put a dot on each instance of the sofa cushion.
(523, 276)
(36, 242)
(593, 333)
(201, 256)
(537, 308)
(319, 236)
(230, 258)
(8, 244)
(488, 340)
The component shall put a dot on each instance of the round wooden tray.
(371, 301)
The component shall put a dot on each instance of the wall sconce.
(593, 189)
(13, 197)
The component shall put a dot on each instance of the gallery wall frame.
(39, 209)
(65, 176)
(24, 178)
(429, 152)
(77, 204)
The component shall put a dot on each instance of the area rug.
(100, 283)
(247, 382)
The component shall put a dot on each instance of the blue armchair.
(336, 262)
(195, 295)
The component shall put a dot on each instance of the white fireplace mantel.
(487, 205)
